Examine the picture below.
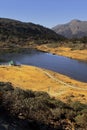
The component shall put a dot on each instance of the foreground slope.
(33, 78)
(34, 110)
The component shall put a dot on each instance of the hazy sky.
(44, 12)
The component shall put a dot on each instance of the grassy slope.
(65, 51)
(29, 77)
(32, 110)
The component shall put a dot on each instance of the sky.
(48, 13)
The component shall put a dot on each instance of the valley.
(43, 76)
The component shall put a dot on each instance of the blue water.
(72, 68)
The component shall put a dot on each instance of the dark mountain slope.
(73, 29)
(14, 32)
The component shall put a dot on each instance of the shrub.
(81, 120)
(41, 94)
(6, 86)
(39, 106)
(70, 114)
(58, 113)
(77, 106)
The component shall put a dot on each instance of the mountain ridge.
(73, 29)
(14, 32)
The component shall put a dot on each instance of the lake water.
(72, 68)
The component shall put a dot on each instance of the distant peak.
(75, 21)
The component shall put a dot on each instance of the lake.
(72, 68)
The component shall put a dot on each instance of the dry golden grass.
(57, 85)
(65, 51)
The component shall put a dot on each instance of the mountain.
(13, 32)
(73, 29)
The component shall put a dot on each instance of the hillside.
(73, 29)
(32, 110)
(74, 51)
(26, 105)
(15, 33)
(36, 79)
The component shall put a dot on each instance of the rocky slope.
(74, 28)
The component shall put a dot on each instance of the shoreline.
(80, 55)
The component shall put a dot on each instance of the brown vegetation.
(57, 85)
(65, 51)
(30, 110)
